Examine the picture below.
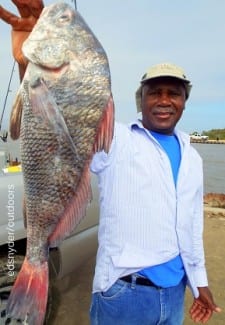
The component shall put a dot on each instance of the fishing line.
(75, 4)
(7, 93)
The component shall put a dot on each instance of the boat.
(12, 169)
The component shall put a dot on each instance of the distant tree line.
(215, 134)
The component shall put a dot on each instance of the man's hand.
(29, 11)
(203, 306)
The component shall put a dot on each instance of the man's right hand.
(29, 11)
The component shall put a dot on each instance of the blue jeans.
(131, 304)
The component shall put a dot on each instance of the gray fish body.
(65, 54)
(67, 116)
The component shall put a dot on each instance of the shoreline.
(208, 141)
(214, 205)
(212, 212)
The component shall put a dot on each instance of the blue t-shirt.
(171, 146)
(170, 273)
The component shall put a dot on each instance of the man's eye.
(153, 92)
(175, 93)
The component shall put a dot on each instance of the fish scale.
(68, 115)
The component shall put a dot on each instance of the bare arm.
(29, 11)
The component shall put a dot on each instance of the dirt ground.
(72, 294)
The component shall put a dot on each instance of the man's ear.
(138, 97)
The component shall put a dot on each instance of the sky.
(139, 34)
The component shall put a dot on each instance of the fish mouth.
(57, 70)
(43, 71)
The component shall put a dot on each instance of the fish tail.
(28, 297)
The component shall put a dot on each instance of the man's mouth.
(163, 114)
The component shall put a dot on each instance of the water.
(213, 156)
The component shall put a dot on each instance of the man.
(151, 214)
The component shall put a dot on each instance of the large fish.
(68, 115)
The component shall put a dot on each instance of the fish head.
(61, 36)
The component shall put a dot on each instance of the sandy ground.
(72, 294)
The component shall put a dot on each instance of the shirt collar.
(183, 137)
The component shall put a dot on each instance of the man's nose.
(164, 99)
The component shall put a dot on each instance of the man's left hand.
(203, 306)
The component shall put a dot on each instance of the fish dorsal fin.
(74, 211)
(15, 117)
(105, 131)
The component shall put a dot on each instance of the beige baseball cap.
(163, 70)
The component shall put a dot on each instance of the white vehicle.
(198, 137)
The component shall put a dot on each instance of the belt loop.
(133, 282)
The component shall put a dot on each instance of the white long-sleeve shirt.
(144, 219)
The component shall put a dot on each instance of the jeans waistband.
(139, 281)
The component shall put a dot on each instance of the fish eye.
(64, 18)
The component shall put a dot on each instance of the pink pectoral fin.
(105, 131)
(15, 117)
(45, 107)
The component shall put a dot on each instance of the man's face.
(163, 102)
